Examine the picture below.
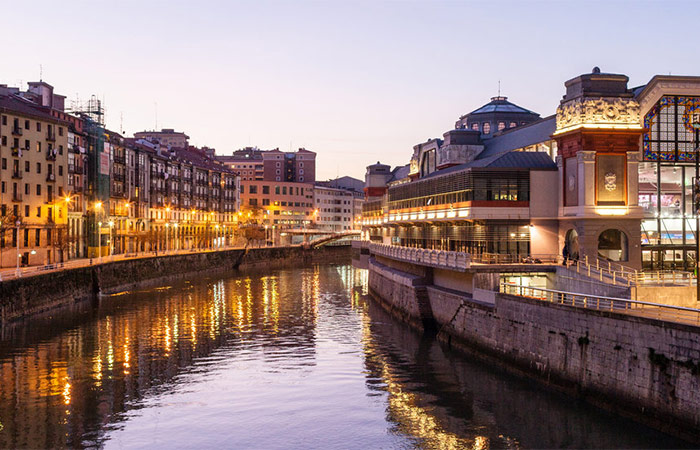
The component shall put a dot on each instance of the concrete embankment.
(26, 296)
(638, 367)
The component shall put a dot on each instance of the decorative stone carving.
(587, 156)
(598, 113)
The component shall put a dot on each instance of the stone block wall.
(639, 367)
(25, 296)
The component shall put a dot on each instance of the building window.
(38, 126)
(38, 167)
(253, 189)
(266, 190)
(501, 126)
(512, 125)
(26, 210)
(475, 126)
(38, 211)
(486, 128)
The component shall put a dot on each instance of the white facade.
(335, 209)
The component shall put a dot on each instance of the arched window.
(612, 245)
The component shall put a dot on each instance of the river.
(296, 358)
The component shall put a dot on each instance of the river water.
(296, 358)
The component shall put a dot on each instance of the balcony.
(17, 131)
(50, 177)
(71, 168)
(51, 135)
(120, 159)
(51, 154)
(16, 197)
(16, 150)
(17, 174)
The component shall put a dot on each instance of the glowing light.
(612, 211)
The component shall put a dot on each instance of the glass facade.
(665, 184)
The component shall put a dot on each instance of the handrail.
(597, 302)
(434, 258)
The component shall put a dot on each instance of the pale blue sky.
(354, 81)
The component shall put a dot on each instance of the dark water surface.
(287, 359)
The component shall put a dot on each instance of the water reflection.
(290, 358)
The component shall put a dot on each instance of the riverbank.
(638, 367)
(23, 297)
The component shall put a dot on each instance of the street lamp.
(167, 228)
(99, 240)
(111, 243)
(18, 273)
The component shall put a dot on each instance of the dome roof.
(502, 105)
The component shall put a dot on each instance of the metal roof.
(501, 104)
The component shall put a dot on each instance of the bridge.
(334, 237)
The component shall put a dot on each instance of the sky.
(357, 82)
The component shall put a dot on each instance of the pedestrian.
(565, 254)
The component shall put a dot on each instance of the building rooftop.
(519, 137)
(500, 104)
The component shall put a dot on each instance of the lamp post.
(167, 229)
(17, 272)
(111, 240)
(99, 240)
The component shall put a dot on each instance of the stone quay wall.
(638, 367)
(22, 297)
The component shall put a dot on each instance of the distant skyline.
(355, 82)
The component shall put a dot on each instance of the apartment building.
(335, 209)
(165, 137)
(33, 182)
(278, 204)
(254, 164)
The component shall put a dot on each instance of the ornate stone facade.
(600, 112)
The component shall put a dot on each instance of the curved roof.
(501, 104)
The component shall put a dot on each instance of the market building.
(608, 177)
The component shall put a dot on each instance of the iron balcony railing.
(601, 303)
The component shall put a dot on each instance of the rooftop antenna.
(121, 122)
(499, 88)
(156, 107)
(41, 73)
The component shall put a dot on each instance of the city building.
(165, 137)
(272, 165)
(33, 180)
(71, 188)
(247, 162)
(278, 205)
(335, 209)
(608, 177)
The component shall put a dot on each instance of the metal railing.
(600, 303)
(666, 278)
(435, 258)
(26, 271)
